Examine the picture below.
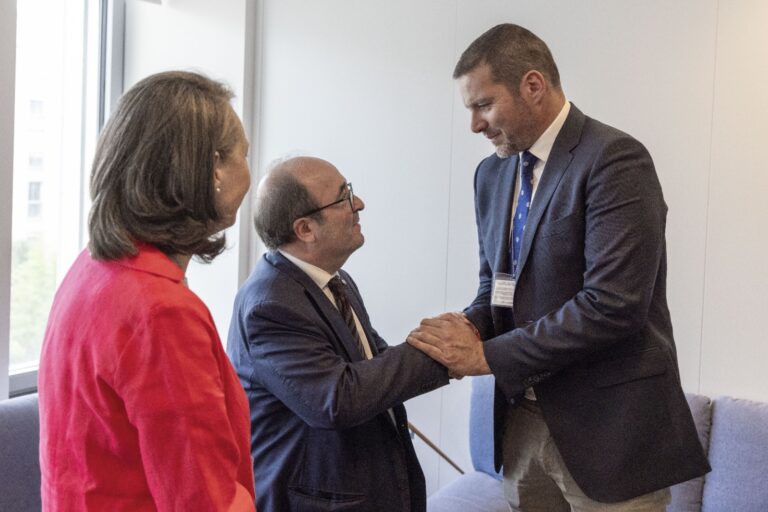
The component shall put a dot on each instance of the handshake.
(453, 341)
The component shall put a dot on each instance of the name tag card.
(503, 290)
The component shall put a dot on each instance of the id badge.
(503, 290)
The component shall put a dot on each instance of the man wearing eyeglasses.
(329, 431)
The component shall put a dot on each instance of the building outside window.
(56, 122)
(33, 199)
(36, 162)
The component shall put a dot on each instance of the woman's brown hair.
(152, 176)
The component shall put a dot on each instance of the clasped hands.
(452, 340)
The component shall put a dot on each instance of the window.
(36, 162)
(33, 199)
(36, 109)
(57, 97)
(34, 191)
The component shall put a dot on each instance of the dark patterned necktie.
(339, 291)
(523, 205)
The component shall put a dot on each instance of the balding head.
(300, 167)
(305, 207)
(282, 197)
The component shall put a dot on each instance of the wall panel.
(367, 86)
(734, 348)
(207, 37)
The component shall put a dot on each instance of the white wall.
(7, 86)
(734, 346)
(207, 37)
(368, 86)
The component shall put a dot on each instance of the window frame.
(110, 20)
(7, 107)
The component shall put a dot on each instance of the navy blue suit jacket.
(322, 437)
(590, 330)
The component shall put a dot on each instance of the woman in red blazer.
(139, 406)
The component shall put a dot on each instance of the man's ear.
(303, 228)
(533, 86)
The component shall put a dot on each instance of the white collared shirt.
(541, 150)
(320, 277)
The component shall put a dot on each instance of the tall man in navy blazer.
(329, 431)
(572, 315)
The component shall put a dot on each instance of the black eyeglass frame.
(350, 197)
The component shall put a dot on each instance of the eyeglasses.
(349, 196)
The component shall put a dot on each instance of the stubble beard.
(509, 147)
(505, 149)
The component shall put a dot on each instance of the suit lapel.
(559, 159)
(323, 305)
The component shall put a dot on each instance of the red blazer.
(139, 406)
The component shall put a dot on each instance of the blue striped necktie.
(523, 205)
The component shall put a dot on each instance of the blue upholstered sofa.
(19, 465)
(734, 434)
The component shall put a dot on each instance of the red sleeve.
(169, 377)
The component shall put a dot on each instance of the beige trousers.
(536, 479)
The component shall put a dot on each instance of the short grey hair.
(280, 200)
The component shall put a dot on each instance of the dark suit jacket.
(590, 329)
(322, 437)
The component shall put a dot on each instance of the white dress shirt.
(321, 278)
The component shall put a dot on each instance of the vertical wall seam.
(709, 193)
(450, 174)
(444, 391)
